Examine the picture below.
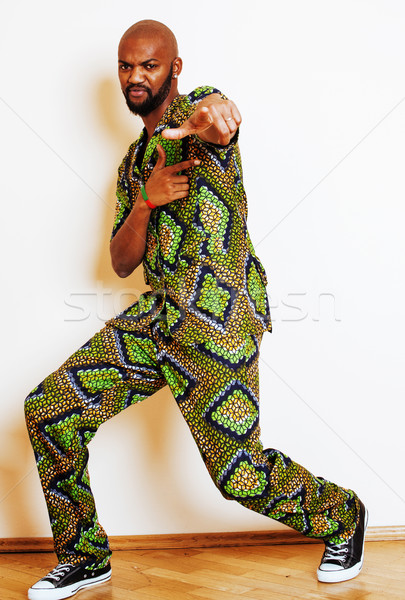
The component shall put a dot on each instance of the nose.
(136, 75)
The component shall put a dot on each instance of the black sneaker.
(65, 580)
(341, 562)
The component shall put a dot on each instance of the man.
(181, 210)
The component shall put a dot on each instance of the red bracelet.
(145, 197)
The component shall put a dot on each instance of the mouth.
(136, 92)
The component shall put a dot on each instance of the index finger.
(177, 133)
(185, 164)
(199, 121)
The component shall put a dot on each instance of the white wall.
(321, 89)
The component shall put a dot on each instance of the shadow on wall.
(17, 470)
(120, 133)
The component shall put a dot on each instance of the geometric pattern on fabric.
(207, 229)
(213, 218)
(63, 414)
(235, 411)
(148, 306)
(256, 292)
(174, 315)
(287, 509)
(180, 381)
(212, 299)
(220, 405)
(230, 358)
(222, 157)
(135, 351)
(296, 492)
(243, 479)
(62, 433)
(91, 381)
(251, 349)
(171, 234)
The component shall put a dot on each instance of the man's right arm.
(127, 247)
(164, 185)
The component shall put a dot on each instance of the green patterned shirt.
(207, 284)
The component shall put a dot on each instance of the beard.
(152, 101)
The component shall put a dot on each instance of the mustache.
(132, 86)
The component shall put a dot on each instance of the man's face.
(145, 73)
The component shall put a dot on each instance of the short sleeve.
(202, 92)
(123, 194)
(216, 149)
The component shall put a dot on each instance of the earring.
(175, 76)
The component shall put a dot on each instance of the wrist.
(140, 205)
(146, 199)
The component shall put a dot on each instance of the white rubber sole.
(344, 574)
(339, 576)
(68, 591)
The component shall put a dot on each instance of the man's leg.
(113, 370)
(217, 392)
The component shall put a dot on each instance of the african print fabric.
(198, 330)
(199, 260)
(220, 403)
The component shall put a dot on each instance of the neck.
(153, 118)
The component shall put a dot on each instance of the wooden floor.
(243, 573)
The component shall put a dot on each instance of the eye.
(151, 66)
(123, 67)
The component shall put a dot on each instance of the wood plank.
(218, 595)
(199, 540)
(210, 579)
(162, 591)
(232, 573)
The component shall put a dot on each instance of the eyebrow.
(145, 62)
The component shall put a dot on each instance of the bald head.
(148, 68)
(156, 32)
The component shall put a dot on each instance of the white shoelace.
(58, 572)
(336, 552)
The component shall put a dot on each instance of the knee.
(245, 480)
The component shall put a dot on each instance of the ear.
(177, 67)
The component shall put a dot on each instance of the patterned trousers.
(219, 402)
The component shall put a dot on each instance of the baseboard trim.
(198, 540)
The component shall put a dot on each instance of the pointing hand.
(215, 120)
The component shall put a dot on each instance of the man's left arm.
(215, 121)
